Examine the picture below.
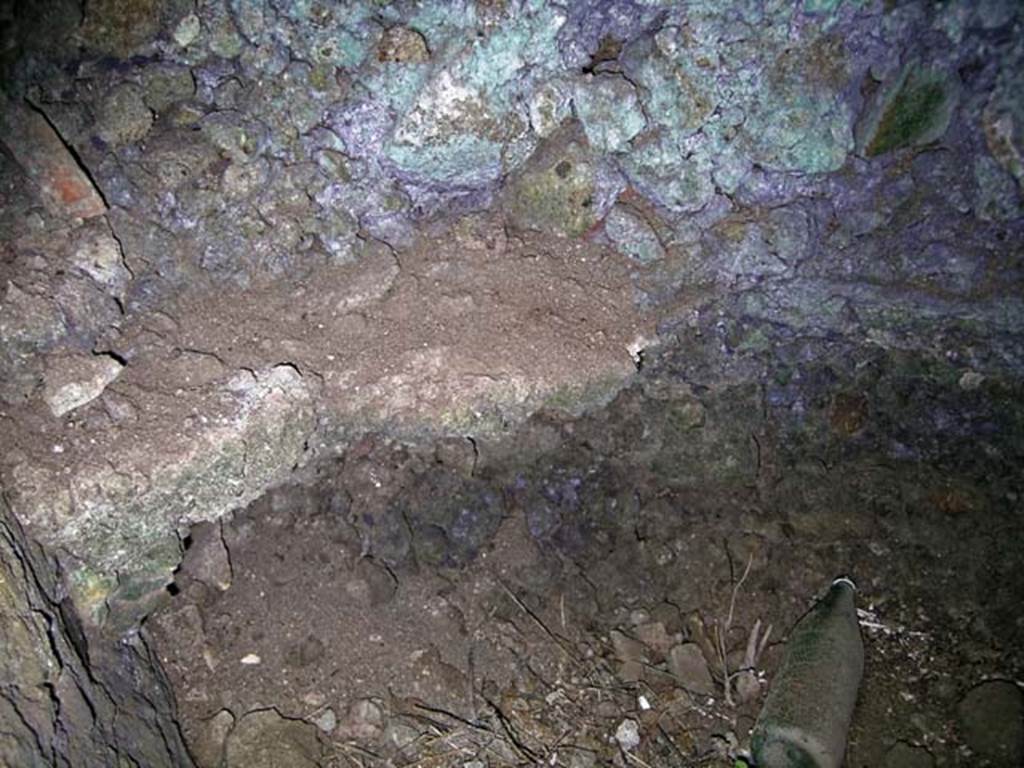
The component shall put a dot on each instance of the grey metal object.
(806, 716)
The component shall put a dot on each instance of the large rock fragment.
(64, 187)
(556, 190)
(115, 514)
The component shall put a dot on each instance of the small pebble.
(251, 658)
(628, 735)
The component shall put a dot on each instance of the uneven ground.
(514, 604)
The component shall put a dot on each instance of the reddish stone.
(63, 186)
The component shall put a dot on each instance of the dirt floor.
(454, 605)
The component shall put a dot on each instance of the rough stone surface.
(991, 717)
(120, 510)
(266, 740)
(799, 221)
(63, 185)
(687, 664)
(69, 699)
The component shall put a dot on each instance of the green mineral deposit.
(914, 111)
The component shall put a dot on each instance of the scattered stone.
(264, 739)
(187, 30)
(64, 187)
(971, 380)
(991, 718)
(628, 735)
(73, 380)
(627, 648)
(688, 665)
(251, 659)
(326, 721)
(654, 635)
(631, 672)
(363, 722)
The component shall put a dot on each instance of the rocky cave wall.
(816, 207)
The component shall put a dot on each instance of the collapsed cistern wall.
(239, 234)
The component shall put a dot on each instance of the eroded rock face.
(66, 701)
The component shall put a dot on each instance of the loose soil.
(536, 647)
